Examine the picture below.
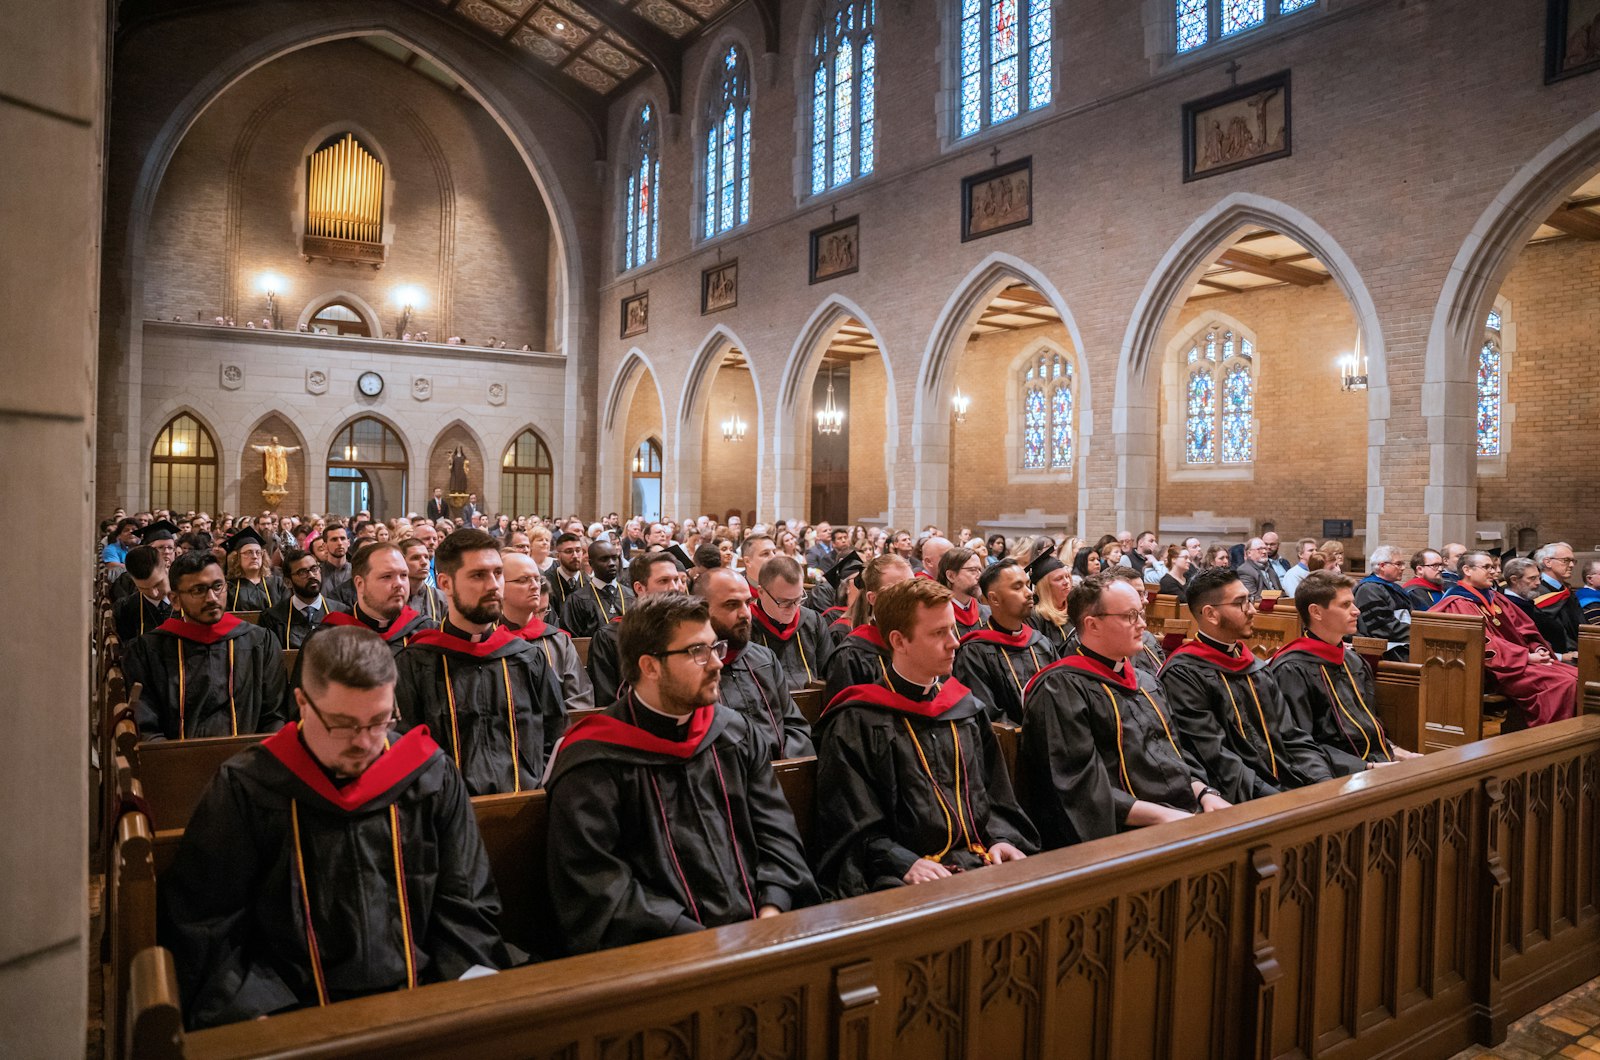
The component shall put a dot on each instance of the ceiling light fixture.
(830, 418)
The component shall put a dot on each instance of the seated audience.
(523, 614)
(303, 607)
(1086, 563)
(997, 661)
(1556, 610)
(1175, 582)
(254, 587)
(566, 574)
(861, 657)
(958, 571)
(1426, 586)
(1255, 570)
(1589, 592)
(1292, 577)
(425, 598)
(604, 599)
(753, 681)
(1385, 606)
(151, 605)
(1052, 584)
(797, 635)
(650, 572)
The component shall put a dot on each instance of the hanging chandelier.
(734, 427)
(830, 418)
(961, 403)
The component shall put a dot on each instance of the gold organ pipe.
(314, 195)
(344, 199)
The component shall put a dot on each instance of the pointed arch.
(616, 448)
(930, 428)
(685, 443)
(517, 483)
(185, 464)
(320, 301)
(242, 459)
(793, 420)
(1480, 268)
(1135, 420)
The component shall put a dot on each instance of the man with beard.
(997, 661)
(665, 816)
(862, 656)
(292, 618)
(146, 609)
(256, 588)
(911, 786)
(325, 863)
(603, 599)
(382, 585)
(1327, 686)
(489, 694)
(523, 614)
(567, 579)
(336, 566)
(1100, 751)
(753, 681)
(650, 572)
(425, 599)
(793, 633)
(1225, 706)
(206, 673)
(958, 571)
(1426, 587)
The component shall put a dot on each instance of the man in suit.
(820, 555)
(470, 510)
(1254, 570)
(438, 507)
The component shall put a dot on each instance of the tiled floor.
(1568, 1027)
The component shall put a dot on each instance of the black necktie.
(312, 615)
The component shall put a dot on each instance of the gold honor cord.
(511, 720)
(1376, 724)
(1377, 727)
(1272, 758)
(938, 794)
(233, 712)
(801, 641)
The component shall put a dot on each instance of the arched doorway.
(633, 411)
(730, 440)
(183, 467)
(527, 478)
(339, 318)
(367, 467)
(644, 483)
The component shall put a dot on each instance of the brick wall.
(728, 469)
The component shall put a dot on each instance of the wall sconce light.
(734, 427)
(638, 465)
(409, 298)
(830, 418)
(1353, 372)
(271, 285)
(961, 403)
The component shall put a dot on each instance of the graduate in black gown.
(146, 609)
(797, 635)
(753, 681)
(959, 571)
(1229, 710)
(1100, 752)
(911, 784)
(844, 581)
(303, 607)
(327, 863)
(665, 816)
(650, 572)
(997, 661)
(602, 599)
(566, 573)
(489, 697)
(1052, 583)
(862, 656)
(206, 673)
(256, 588)
(379, 604)
(1556, 610)
(1326, 685)
(160, 535)
(523, 614)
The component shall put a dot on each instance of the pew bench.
(1455, 709)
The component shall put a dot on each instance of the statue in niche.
(458, 471)
(275, 461)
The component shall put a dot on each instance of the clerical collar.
(300, 605)
(371, 621)
(1339, 643)
(658, 723)
(898, 682)
(333, 778)
(1114, 665)
(998, 628)
(1230, 650)
(456, 631)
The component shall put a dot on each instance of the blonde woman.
(1052, 582)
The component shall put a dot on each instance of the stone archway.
(634, 409)
(686, 444)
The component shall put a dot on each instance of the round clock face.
(370, 383)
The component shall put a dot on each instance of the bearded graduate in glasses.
(911, 785)
(205, 672)
(665, 815)
(328, 862)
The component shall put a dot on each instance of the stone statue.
(458, 472)
(275, 459)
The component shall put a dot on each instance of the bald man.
(933, 551)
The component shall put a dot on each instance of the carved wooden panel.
(769, 1029)
(932, 1012)
(1012, 984)
(1083, 975)
(1338, 937)
(1299, 882)
(1145, 974)
(1204, 988)
(675, 1041)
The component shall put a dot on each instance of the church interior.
(1203, 268)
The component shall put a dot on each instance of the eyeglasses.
(200, 592)
(1429, 566)
(348, 732)
(1243, 604)
(1136, 617)
(972, 568)
(785, 602)
(305, 572)
(697, 653)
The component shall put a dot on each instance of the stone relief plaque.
(232, 377)
(316, 381)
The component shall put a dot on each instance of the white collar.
(675, 719)
(300, 605)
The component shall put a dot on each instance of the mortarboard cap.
(848, 567)
(676, 551)
(1042, 565)
(247, 536)
(161, 530)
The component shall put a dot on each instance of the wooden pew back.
(1273, 630)
(1449, 648)
(1588, 670)
(581, 646)
(809, 700)
(175, 773)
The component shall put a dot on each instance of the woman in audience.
(1085, 564)
(1176, 581)
(1332, 556)
(1217, 557)
(997, 547)
(789, 545)
(727, 548)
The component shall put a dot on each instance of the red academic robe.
(1543, 693)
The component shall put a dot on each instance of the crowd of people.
(437, 662)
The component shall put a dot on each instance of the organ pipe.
(345, 196)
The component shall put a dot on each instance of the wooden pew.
(1273, 630)
(798, 779)
(1400, 702)
(252, 617)
(1009, 737)
(175, 773)
(809, 700)
(290, 657)
(1588, 670)
(581, 646)
(1449, 648)
(130, 905)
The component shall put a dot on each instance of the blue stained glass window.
(1035, 415)
(1194, 27)
(641, 240)
(1493, 323)
(1289, 7)
(1202, 425)
(1228, 415)
(1489, 392)
(1061, 426)
(1238, 404)
(1202, 22)
(727, 117)
(843, 93)
(1004, 62)
(1240, 15)
(1048, 402)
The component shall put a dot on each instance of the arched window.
(367, 470)
(1219, 398)
(1201, 22)
(646, 482)
(641, 210)
(728, 146)
(1005, 61)
(527, 477)
(1491, 388)
(844, 89)
(339, 318)
(1049, 403)
(183, 467)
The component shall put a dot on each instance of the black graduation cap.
(676, 551)
(247, 536)
(848, 567)
(1503, 555)
(162, 530)
(1043, 565)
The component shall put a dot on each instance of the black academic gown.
(880, 807)
(1330, 692)
(753, 683)
(429, 602)
(974, 616)
(839, 627)
(802, 645)
(605, 666)
(593, 606)
(660, 828)
(563, 588)
(122, 587)
(224, 679)
(1557, 614)
(556, 646)
(334, 577)
(396, 634)
(821, 597)
(997, 666)
(135, 616)
(1095, 740)
(1423, 593)
(289, 625)
(246, 595)
(862, 658)
(1233, 720)
(1059, 634)
(1386, 614)
(458, 689)
(233, 906)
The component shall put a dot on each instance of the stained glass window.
(1202, 22)
(1035, 420)
(1493, 323)
(1005, 61)
(1489, 392)
(1048, 404)
(844, 89)
(727, 201)
(1219, 398)
(641, 210)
